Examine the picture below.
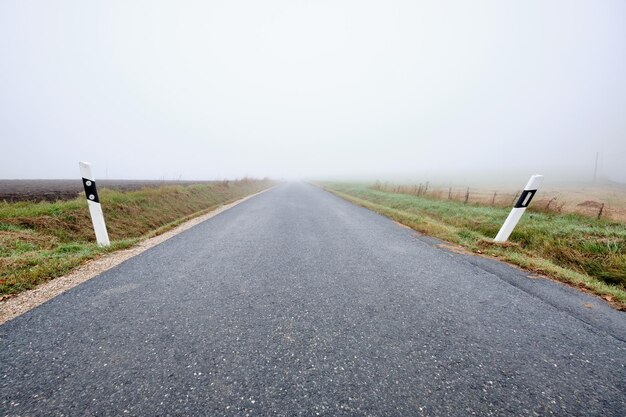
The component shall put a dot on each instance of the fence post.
(95, 209)
(520, 207)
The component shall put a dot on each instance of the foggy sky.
(292, 89)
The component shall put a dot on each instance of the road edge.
(25, 301)
(614, 304)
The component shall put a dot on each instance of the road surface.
(296, 302)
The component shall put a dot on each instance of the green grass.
(41, 241)
(582, 251)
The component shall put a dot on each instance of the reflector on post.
(95, 209)
(520, 207)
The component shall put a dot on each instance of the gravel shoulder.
(11, 307)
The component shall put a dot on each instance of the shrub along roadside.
(41, 241)
(585, 252)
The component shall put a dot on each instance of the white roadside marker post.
(95, 209)
(520, 207)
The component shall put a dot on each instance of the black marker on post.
(95, 209)
(520, 207)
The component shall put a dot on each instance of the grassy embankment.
(579, 250)
(41, 241)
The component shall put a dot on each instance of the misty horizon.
(447, 92)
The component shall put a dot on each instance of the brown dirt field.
(587, 200)
(52, 190)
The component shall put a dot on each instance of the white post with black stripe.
(95, 209)
(520, 207)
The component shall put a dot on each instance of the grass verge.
(584, 252)
(41, 241)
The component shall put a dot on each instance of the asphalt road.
(296, 302)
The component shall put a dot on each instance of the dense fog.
(399, 90)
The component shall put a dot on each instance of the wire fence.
(550, 202)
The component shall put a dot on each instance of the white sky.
(289, 89)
